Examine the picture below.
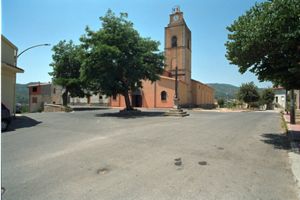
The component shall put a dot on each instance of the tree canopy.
(66, 68)
(248, 93)
(117, 58)
(267, 97)
(266, 41)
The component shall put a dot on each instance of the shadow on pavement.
(294, 136)
(22, 122)
(278, 140)
(130, 115)
(88, 108)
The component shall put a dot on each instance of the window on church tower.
(174, 41)
(163, 95)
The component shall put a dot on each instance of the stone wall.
(53, 108)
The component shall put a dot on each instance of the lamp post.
(18, 55)
(32, 48)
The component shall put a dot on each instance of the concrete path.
(294, 155)
(100, 155)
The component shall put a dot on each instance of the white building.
(97, 99)
(280, 97)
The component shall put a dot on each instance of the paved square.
(98, 155)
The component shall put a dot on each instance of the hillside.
(22, 94)
(225, 91)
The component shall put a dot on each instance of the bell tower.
(178, 40)
(178, 45)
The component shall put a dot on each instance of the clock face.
(175, 17)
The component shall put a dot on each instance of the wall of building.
(117, 101)
(202, 94)
(54, 108)
(8, 74)
(8, 52)
(56, 94)
(148, 94)
(164, 84)
(38, 97)
(98, 99)
(8, 88)
(279, 99)
(151, 94)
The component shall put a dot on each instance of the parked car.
(5, 117)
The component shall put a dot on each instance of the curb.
(294, 155)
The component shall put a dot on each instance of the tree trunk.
(292, 111)
(127, 101)
(65, 98)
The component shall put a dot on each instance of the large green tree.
(248, 93)
(117, 58)
(265, 41)
(267, 97)
(66, 69)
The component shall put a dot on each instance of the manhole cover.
(102, 171)
(202, 163)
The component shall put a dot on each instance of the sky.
(32, 22)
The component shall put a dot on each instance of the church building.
(178, 51)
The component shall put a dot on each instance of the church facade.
(160, 94)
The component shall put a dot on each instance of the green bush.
(221, 103)
(24, 108)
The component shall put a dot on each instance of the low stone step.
(176, 113)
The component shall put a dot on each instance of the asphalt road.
(100, 155)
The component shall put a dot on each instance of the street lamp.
(32, 48)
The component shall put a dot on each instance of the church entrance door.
(136, 98)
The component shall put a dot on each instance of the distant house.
(41, 93)
(8, 74)
(280, 97)
(48, 93)
(95, 99)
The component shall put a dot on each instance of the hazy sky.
(31, 22)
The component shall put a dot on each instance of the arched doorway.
(136, 98)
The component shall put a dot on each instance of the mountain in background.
(224, 91)
(22, 93)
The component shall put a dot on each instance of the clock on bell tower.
(178, 46)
